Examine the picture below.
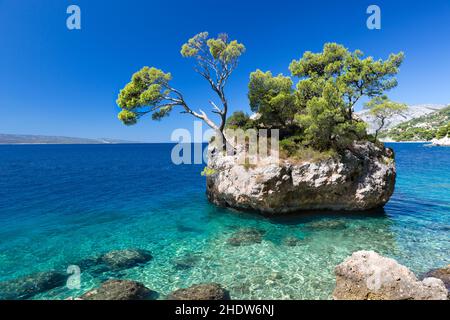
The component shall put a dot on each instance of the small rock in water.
(186, 262)
(30, 285)
(292, 241)
(327, 225)
(204, 291)
(120, 290)
(276, 276)
(93, 265)
(242, 288)
(368, 276)
(87, 263)
(186, 228)
(246, 236)
(123, 259)
(441, 273)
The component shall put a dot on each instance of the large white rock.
(366, 275)
(441, 142)
(361, 179)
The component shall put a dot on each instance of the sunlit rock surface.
(366, 275)
(363, 178)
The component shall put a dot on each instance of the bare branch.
(217, 109)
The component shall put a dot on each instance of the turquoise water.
(60, 204)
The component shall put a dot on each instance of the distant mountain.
(413, 112)
(435, 125)
(38, 139)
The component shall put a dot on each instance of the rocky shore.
(444, 142)
(366, 275)
(362, 178)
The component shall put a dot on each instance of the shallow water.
(60, 204)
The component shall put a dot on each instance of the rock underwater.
(203, 291)
(123, 259)
(363, 178)
(120, 290)
(30, 285)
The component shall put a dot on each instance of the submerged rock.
(123, 259)
(366, 275)
(292, 241)
(120, 290)
(204, 291)
(441, 273)
(246, 236)
(30, 285)
(186, 262)
(327, 225)
(362, 178)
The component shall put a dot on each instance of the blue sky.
(59, 82)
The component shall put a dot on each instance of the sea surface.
(60, 204)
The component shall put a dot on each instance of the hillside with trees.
(424, 128)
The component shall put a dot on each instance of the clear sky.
(54, 81)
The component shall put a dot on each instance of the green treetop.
(149, 90)
(352, 75)
(319, 111)
(272, 97)
(382, 110)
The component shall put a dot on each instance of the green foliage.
(319, 112)
(324, 121)
(208, 172)
(272, 97)
(353, 75)
(382, 109)
(127, 117)
(145, 93)
(443, 131)
(149, 90)
(291, 148)
(331, 82)
(239, 120)
(290, 145)
(220, 48)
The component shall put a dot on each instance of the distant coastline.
(27, 139)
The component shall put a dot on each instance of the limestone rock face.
(120, 290)
(204, 291)
(362, 178)
(366, 275)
